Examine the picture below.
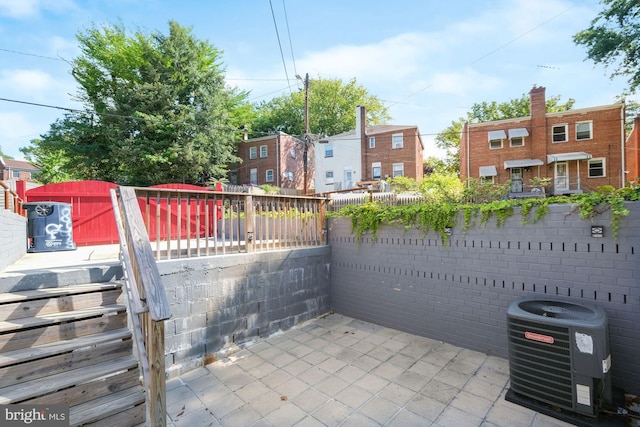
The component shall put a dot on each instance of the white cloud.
(19, 8)
(30, 83)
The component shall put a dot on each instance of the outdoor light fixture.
(250, 236)
(597, 231)
(448, 231)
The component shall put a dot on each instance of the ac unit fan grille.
(540, 370)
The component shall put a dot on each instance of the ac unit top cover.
(557, 312)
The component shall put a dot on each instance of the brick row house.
(11, 169)
(368, 153)
(578, 150)
(276, 160)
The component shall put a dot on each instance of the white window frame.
(374, 166)
(517, 138)
(553, 133)
(264, 151)
(253, 176)
(268, 175)
(328, 150)
(397, 140)
(398, 167)
(484, 180)
(15, 173)
(253, 153)
(589, 123)
(372, 142)
(328, 177)
(604, 167)
(492, 141)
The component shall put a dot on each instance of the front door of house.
(516, 180)
(561, 179)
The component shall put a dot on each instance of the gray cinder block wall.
(459, 292)
(13, 237)
(224, 300)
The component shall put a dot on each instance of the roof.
(17, 164)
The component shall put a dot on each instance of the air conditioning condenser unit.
(559, 354)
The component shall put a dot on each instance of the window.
(372, 142)
(496, 137)
(583, 130)
(253, 176)
(253, 152)
(517, 136)
(268, 176)
(597, 168)
(328, 177)
(328, 150)
(559, 133)
(397, 140)
(494, 144)
(486, 180)
(376, 170)
(518, 141)
(288, 175)
(398, 169)
(263, 151)
(15, 173)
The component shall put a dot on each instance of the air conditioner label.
(584, 343)
(606, 364)
(538, 337)
(583, 394)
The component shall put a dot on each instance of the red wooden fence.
(92, 214)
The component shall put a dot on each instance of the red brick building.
(16, 170)
(276, 160)
(579, 150)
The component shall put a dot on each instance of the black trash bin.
(49, 227)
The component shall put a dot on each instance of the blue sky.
(430, 61)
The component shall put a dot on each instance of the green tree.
(162, 110)
(613, 39)
(332, 106)
(449, 139)
(432, 165)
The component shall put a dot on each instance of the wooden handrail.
(12, 202)
(193, 223)
(148, 302)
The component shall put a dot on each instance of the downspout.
(622, 148)
(468, 154)
(278, 160)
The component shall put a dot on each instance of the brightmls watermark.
(34, 415)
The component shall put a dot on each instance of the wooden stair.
(71, 346)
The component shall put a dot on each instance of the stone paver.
(339, 371)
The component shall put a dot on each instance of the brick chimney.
(538, 131)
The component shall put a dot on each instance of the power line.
(118, 116)
(286, 19)
(275, 24)
(32, 54)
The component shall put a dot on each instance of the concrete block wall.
(223, 301)
(459, 292)
(13, 238)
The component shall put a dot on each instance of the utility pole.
(307, 138)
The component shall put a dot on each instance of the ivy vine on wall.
(438, 217)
